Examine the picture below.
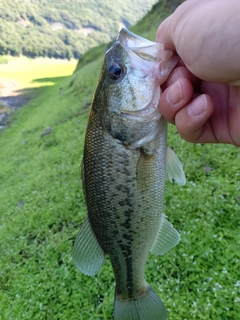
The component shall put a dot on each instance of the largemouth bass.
(124, 167)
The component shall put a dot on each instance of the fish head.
(128, 92)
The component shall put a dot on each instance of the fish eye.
(115, 71)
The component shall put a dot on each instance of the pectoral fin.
(167, 238)
(174, 169)
(88, 256)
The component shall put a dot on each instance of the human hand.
(202, 95)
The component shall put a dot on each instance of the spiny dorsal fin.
(167, 238)
(174, 169)
(88, 256)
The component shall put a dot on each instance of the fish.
(124, 167)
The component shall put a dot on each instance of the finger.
(182, 72)
(193, 123)
(163, 34)
(174, 98)
(225, 99)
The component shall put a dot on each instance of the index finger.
(164, 35)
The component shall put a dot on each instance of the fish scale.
(124, 167)
(100, 158)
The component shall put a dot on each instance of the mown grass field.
(25, 72)
(42, 206)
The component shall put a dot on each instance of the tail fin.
(148, 306)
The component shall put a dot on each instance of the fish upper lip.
(132, 40)
(146, 49)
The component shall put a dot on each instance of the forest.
(63, 29)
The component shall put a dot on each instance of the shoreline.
(11, 99)
(19, 78)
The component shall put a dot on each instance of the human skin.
(202, 95)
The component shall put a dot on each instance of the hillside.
(63, 29)
(42, 206)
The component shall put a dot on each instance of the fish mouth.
(149, 114)
(144, 57)
(150, 53)
(145, 49)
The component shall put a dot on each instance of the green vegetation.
(42, 207)
(63, 28)
(23, 71)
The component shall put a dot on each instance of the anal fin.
(88, 256)
(168, 237)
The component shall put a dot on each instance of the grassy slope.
(42, 206)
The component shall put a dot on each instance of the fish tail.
(147, 306)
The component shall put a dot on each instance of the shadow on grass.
(54, 80)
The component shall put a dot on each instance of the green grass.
(42, 207)
(24, 71)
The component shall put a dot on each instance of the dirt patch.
(11, 99)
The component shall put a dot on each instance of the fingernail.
(198, 108)
(175, 75)
(174, 93)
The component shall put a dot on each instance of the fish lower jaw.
(149, 113)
